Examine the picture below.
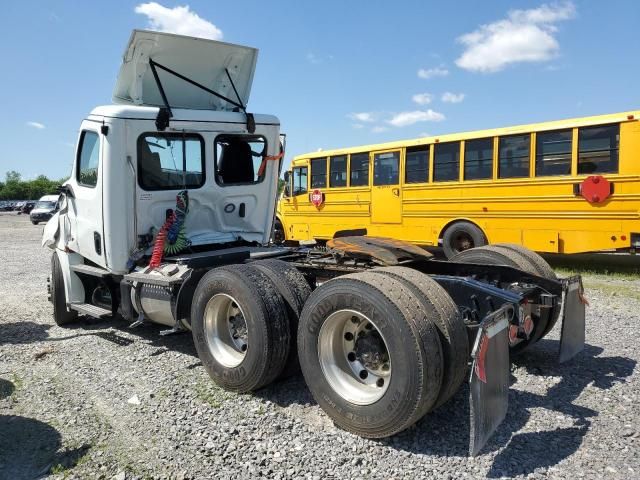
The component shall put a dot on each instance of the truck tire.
(61, 314)
(544, 270)
(496, 255)
(370, 357)
(539, 263)
(461, 236)
(295, 290)
(438, 305)
(240, 327)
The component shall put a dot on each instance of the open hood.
(200, 60)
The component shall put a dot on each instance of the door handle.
(396, 192)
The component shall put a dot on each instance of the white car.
(44, 209)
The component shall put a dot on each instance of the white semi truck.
(167, 218)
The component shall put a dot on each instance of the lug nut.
(368, 326)
(355, 319)
(380, 382)
(244, 347)
(351, 356)
(364, 374)
(348, 336)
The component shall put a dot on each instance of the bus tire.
(61, 314)
(438, 305)
(544, 270)
(495, 255)
(279, 237)
(240, 327)
(295, 290)
(371, 359)
(461, 236)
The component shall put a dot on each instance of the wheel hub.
(370, 351)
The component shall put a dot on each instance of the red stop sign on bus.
(316, 197)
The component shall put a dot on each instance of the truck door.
(85, 207)
(386, 196)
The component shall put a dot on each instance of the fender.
(73, 287)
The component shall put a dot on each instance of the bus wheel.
(370, 357)
(544, 270)
(295, 290)
(438, 305)
(278, 233)
(497, 255)
(462, 236)
(240, 327)
(61, 314)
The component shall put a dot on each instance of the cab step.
(91, 310)
(89, 270)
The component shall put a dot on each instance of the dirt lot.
(101, 400)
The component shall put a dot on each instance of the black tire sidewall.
(61, 315)
(476, 234)
(406, 363)
(225, 281)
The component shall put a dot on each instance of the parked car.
(6, 207)
(26, 208)
(44, 209)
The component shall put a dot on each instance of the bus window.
(513, 156)
(598, 149)
(417, 165)
(359, 169)
(319, 173)
(553, 153)
(338, 171)
(446, 162)
(386, 168)
(478, 159)
(299, 180)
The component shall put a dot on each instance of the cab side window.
(300, 180)
(88, 159)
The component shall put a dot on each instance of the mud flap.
(573, 319)
(489, 383)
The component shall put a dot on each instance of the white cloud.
(428, 73)
(364, 117)
(314, 59)
(180, 20)
(37, 125)
(524, 36)
(404, 119)
(422, 98)
(357, 126)
(379, 129)
(448, 97)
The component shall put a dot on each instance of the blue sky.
(336, 73)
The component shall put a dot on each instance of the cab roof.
(134, 112)
(207, 62)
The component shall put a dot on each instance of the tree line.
(14, 188)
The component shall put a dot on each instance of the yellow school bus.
(564, 186)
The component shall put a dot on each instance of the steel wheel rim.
(354, 357)
(226, 330)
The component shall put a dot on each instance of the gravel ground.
(103, 401)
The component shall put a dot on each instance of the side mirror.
(287, 184)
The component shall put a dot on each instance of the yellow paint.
(541, 213)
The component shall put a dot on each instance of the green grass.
(586, 270)
(211, 394)
(612, 289)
